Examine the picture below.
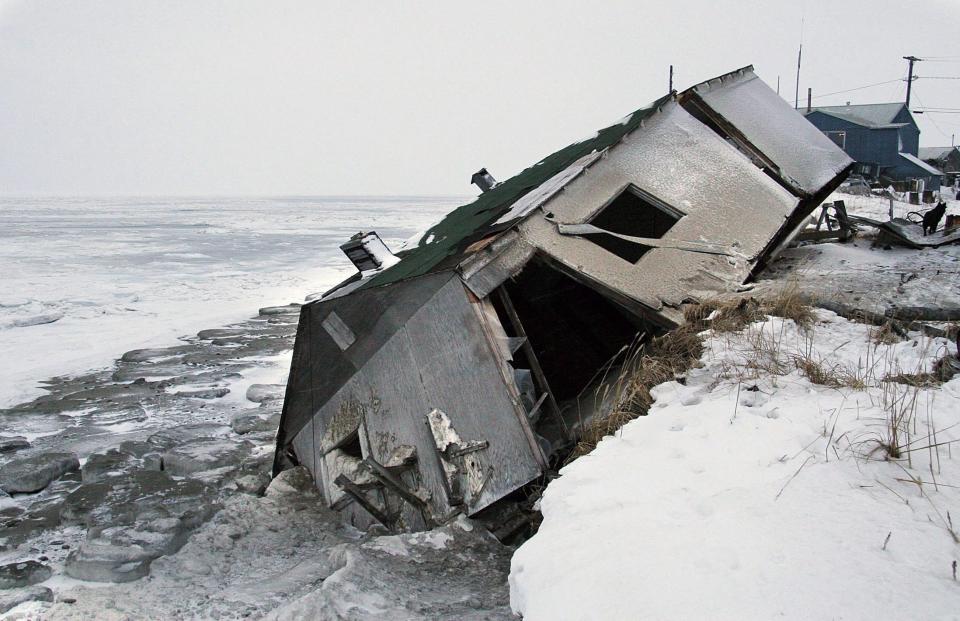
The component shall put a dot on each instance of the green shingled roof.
(465, 225)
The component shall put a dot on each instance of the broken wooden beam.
(395, 485)
(535, 367)
(351, 489)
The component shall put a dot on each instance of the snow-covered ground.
(751, 493)
(86, 279)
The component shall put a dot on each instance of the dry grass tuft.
(943, 371)
(729, 315)
(667, 357)
(836, 376)
(660, 360)
(733, 315)
(789, 303)
(887, 334)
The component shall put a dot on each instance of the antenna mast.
(796, 93)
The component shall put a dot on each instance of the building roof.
(444, 243)
(875, 116)
(935, 153)
(916, 161)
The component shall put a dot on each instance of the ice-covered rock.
(184, 433)
(132, 520)
(297, 481)
(101, 465)
(145, 355)
(280, 310)
(204, 454)
(430, 575)
(135, 448)
(12, 599)
(139, 496)
(23, 574)
(99, 560)
(204, 393)
(248, 422)
(259, 393)
(32, 474)
(9, 444)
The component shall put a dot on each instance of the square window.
(838, 138)
(635, 213)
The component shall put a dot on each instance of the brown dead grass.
(887, 334)
(942, 372)
(660, 360)
(670, 356)
(835, 376)
(734, 314)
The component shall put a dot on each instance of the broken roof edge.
(708, 85)
(468, 223)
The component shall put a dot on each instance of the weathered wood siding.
(407, 364)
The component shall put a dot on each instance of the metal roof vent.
(483, 180)
(368, 252)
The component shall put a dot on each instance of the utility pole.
(671, 79)
(910, 78)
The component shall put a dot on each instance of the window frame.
(839, 132)
(649, 200)
(643, 195)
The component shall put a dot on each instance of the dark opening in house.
(635, 213)
(573, 330)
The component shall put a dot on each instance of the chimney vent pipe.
(483, 180)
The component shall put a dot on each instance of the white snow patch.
(750, 495)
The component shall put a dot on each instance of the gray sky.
(389, 97)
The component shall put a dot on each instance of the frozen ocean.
(85, 279)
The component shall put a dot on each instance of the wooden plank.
(534, 414)
(487, 315)
(340, 332)
(396, 486)
(401, 405)
(357, 494)
(532, 359)
(460, 373)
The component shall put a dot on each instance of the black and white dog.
(931, 219)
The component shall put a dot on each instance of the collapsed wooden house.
(443, 379)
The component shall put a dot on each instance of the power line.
(938, 77)
(935, 124)
(859, 88)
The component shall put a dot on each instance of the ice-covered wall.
(726, 199)
(805, 156)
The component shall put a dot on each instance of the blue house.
(883, 138)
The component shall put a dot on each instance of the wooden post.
(846, 229)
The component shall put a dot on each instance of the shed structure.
(441, 383)
(946, 159)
